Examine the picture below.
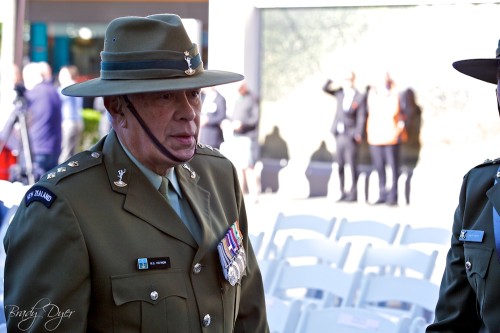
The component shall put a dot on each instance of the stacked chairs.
(314, 280)
(299, 225)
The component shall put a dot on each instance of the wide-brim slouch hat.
(149, 54)
(482, 69)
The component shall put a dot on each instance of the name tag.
(475, 236)
(153, 263)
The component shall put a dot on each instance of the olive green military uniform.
(74, 245)
(469, 299)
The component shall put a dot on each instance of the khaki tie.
(183, 211)
(168, 191)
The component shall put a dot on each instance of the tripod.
(24, 172)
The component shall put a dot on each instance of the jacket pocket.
(477, 262)
(150, 302)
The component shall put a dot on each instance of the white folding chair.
(314, 251)
(425, 235)
(380, 292)
(338, 286)
(396, 259)
(349, 320)
(429, 239)
(256, 240)
(282, 316)
(300, 225)
(370, 229)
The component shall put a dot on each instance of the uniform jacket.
(469, 294)
(73, 249)
(353, 119)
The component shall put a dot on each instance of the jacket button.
(207, 320)
(153, 295)
(197, 269)
(468, 265)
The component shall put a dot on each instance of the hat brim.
(98, 87)
(481, 69)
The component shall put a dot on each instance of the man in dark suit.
(469, 295)
(347, 128)
(138, 234)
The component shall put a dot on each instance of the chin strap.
(151, 136)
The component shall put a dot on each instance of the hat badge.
(189, 71)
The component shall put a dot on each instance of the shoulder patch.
(41, 194)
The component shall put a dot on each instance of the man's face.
(172, 117)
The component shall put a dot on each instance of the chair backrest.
(303, 225)
(315, 251)
(338, 286)
(257, 241)
(349, 320)
(378, 292)
(394, 259)
(367, 228)
(425, 235)
(282, 316)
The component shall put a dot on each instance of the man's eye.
(166, 96)
(195, 93)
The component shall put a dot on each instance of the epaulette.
(77, 163)
(204, 149)
(488, 162)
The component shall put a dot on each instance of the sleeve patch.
(41, 194)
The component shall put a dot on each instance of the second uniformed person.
(469, 294)
(96, 247)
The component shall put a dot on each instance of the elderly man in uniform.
(469, 295)
(138, 234)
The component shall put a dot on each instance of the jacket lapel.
(199, 200)
(494, 195)
(141, 198)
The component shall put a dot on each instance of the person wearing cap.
(139, 233)
(469, 295)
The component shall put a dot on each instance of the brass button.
(468, 265)
(153, 295)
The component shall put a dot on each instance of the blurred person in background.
(243, 129)
(43, 118)
(72, 118)
(213, 112)
(348, 129)
(384, 130)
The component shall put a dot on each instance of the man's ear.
(115, 105)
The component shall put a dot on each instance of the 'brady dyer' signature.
(43, 310)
